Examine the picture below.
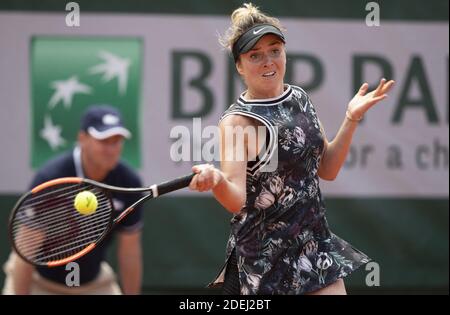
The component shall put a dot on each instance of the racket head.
(45, 229)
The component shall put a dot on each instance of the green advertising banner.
(69, 74)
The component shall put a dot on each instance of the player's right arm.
(229, 183)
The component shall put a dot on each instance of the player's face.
(263, 67)
(102, 154)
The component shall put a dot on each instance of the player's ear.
(239, 68)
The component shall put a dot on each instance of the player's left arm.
(335, 152)
(129, 253)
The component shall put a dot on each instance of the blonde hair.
(242, 19)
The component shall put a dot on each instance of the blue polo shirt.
(69, 165)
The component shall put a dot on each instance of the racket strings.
(46, 226)
(54, 235)
(59, 240)
(72, 248)
(54, 216)
(54, 210)
(46, 198)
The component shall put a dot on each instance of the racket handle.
(175, 184)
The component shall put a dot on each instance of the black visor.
(252, 36)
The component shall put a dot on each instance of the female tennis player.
(280, 241)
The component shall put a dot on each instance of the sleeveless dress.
(281, 237)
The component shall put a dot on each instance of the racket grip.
(175, 184)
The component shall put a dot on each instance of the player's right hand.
(207, 177)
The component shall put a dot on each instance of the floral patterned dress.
(281, 236)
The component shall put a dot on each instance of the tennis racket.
(45, 229)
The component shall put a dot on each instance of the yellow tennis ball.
(85, 202)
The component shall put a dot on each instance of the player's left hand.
(362, 101)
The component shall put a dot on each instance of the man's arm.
(130, 261)
(21, 274)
